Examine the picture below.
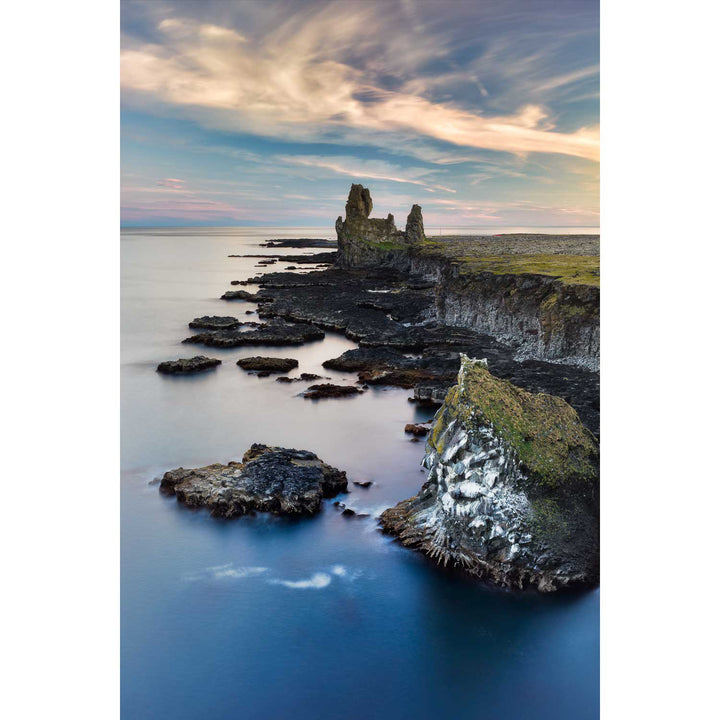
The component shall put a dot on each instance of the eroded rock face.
(276, 480)
(414, 228)
(512, 493)
(184, 366)
(363, 241)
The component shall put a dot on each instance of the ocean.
(313, 619)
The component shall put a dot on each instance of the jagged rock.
(512, 492)
(277, 480)
(363, 483)
(276, 332)
(414, 229)
(376, 309)
(267, 364)
(187, 365)
(214, 322)
(328, 390)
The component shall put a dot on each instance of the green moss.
(471, 258)
(547, 518)
(545, 432)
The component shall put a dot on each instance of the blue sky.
(252, 113)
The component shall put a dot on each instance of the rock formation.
(360, 236)
(185, 366)
(269, 479)
(512, 492)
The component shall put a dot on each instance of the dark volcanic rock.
(238, 295)
(414, 229)
(276, 332)
(187, 365)
(300, 243)
(306, 377)
(267, 364)
(363, 483)
(214, 322)
(269, 479)
(328, 390)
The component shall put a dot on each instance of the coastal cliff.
(538, 293)
(512, 492)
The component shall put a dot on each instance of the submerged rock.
(512, 493)
(276, 480)
(187, 365)
(267, 364)
(214, 322)
(328, 390)
(304, 377)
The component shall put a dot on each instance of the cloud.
(172, 183)
(304, 81)
(367, 170)
(316, 582)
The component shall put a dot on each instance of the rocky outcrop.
(512, 491)
(267, 365)
(276, 332)
(328, 390)
(269, 479)
(185, 366)
(364, 241)
(377, 308)
(543, 316)
(214, 322)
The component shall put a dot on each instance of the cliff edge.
(512, 493)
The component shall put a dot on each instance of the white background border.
(60, 288)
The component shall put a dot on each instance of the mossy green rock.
(512, 493)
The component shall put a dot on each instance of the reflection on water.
(322, 618)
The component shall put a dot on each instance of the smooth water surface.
(316, 619)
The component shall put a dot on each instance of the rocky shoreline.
(491, 504)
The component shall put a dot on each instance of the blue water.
(317, 619)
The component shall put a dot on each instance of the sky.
(251, 113)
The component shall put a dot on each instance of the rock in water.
(269, 479)
(187, 365)
(512, 493)
(328, 390)
(215, 322)
(267, 364)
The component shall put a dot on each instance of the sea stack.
(512, 493)
(364, 241)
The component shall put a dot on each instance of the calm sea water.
(323, 618)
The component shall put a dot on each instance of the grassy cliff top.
(573, 259)
(544, 430)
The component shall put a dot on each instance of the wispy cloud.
(297, 81)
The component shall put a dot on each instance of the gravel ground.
(520, 244)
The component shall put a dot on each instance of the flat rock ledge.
(267, 365)
(328, 390)
(185, 366)
(275, 332)
(214, 322)
(275, 480)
